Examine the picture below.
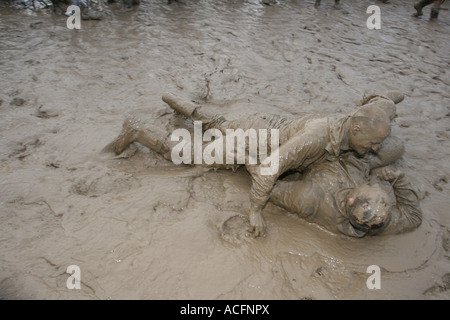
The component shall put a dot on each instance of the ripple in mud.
(235, 229)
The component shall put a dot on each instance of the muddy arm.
(406, 215)
(387, 102)
(391, 150)
(298, 152)
(184, 107)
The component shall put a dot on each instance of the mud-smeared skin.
(142, 228)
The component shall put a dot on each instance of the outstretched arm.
(298, 152)
(406, 215)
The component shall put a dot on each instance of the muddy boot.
(434, 13)
(317, 4)
(126, 137)
(395, 96)
(419, 6)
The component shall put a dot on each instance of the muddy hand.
(388, 174)
(257, 224)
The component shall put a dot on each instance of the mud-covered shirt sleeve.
(301, 197)
(406, 215)
(296, 153)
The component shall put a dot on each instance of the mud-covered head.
(368, 207)
(369, 127)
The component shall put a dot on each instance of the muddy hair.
(372, 117)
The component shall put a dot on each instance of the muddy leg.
(194, 111)
(155, 139)
(133, 130)
(127, 3)
(317, 4)
(87, 13)
(435, 10)
(419, 6)
(211, 120)
(184, 107)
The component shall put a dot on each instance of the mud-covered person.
(303, 141)
(343, 197)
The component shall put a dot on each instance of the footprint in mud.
(235, 229)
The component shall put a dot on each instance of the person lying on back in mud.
(302, 141)
(343, 197)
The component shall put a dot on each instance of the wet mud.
(140, 227)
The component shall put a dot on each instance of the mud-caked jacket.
(320, 196)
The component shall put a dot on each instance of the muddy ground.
(142, 228)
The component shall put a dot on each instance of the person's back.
(322, 194)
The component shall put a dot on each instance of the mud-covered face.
(365, 139)
(368, 207)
